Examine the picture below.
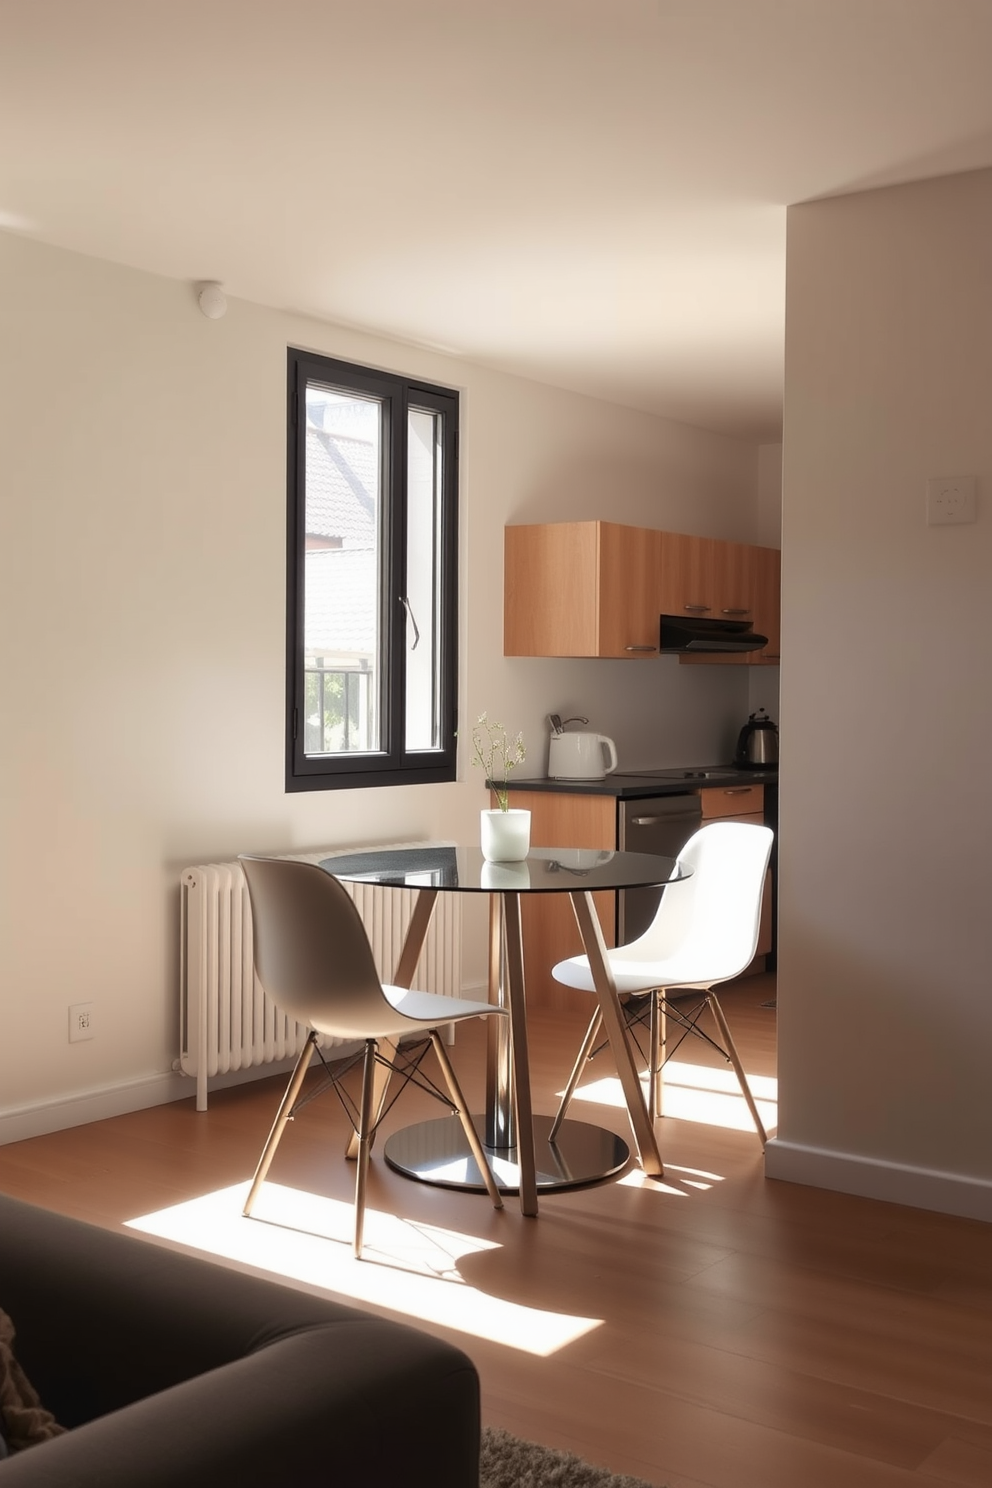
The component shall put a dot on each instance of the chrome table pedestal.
(437, 1152)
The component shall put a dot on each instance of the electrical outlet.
(81, 1022)
(950, 498)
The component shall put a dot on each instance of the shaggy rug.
(508, 1462)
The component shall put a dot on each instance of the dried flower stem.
(497, 754)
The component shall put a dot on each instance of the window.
(372, 558)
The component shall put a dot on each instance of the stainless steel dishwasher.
(652, 824)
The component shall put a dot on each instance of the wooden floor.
(743, 1333)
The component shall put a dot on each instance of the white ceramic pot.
(505, 835)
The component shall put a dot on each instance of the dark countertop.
(631, 784)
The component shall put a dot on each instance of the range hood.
(681, 634)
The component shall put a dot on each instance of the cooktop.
(707, 772)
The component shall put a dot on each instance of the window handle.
(413, 621)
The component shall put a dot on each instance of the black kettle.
(757, 743)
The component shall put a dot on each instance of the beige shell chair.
(314, 960)
(705, 931)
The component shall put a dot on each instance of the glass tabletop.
(545, 870)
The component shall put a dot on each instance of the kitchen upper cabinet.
(581, 589)
(705, 578)
(759, 576)
(599, 588)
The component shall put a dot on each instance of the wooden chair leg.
(468, 1126)
(279, 1125)
(576, 1075)
(735, 1060)
(364, 1145)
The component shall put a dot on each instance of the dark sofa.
(171, 1370)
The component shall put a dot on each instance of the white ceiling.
(587, 192)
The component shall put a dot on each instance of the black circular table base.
(437, 1152)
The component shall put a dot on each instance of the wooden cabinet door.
(732, 585)
(550, 585)
(628, 597)
(732, 800)
(550, 931)
(706, 578)
(686, 570)
(580, 589)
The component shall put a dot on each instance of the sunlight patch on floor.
(407, 1266)
(705, 1179)
(688, 1177)
(697, 1092)
(637, 1178)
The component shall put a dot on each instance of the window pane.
(423, 567)
(372, 577)
(342, 643)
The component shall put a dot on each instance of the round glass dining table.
(523, 1156)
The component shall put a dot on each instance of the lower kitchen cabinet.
(573, 820)
(550, 931)
(717, 801)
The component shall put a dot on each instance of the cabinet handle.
(738, 790)
(697, 608)
(640, 648)
(736, 612)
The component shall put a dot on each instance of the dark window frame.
(394, 765)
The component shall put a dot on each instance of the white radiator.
(226, 1021)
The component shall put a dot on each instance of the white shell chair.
(313, 957)
(705, 931)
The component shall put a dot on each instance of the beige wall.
(142, 470)
(885, 958)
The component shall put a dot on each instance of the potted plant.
(505, 831)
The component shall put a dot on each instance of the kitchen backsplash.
(763, 691)
(657, 712)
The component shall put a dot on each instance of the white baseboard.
(20, 1122)
(873, 1178)
(17, 1123)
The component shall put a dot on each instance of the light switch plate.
(950, 499)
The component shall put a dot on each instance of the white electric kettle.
(580, 756)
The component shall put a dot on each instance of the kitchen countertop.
(630, 784)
